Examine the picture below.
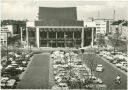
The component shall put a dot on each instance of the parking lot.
(65, 67)
(13, 68)
(69, 71)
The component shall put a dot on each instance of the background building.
(101, 27)
(3, 37)
(121, 26)
(5, 32)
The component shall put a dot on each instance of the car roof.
(99, 65)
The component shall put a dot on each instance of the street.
(37, 74)
(109, 74)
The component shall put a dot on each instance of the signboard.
(89, 24)
(3, 36)
(7, 28)
(30, 24)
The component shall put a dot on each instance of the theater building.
(59, 27)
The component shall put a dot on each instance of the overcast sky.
(28, 9)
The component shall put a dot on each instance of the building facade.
(59, 27)
(3, 37)
(124, 32)
(5, 32)
(101, 27)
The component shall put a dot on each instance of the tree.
(115, 39)
(31, 42)
(101, 40)
(3, 51)
(12, 40)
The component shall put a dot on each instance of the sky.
(28, 9)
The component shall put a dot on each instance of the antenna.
(98, 14)
(114, 15)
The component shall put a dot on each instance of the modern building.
(124, 33)
(13, 25)
(3, 37)
(59, 27)
(5, 32)
(7, 28)
(90, 24)
(102, 24)
(120, 26)
(101, 27)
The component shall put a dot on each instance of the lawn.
(37, 74)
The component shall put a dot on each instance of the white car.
(119, 65)
(99, 81)
(96, 80)
(63, 85)
(99, 68)
(109, 57)
(20, 68)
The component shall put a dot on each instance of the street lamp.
(7, 45)
(82, 51)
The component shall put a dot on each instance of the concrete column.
(92, 43)
(73, 35)
(82, 37)
(73, 39)
(64, 39)
(37, 37)
(21, 33)
(56, 39)
(47, 35)
(27, 36)
(47, 39)
(56, 35)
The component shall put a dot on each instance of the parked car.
(99, 68)
(63, 85)
(118, 65)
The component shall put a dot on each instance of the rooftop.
(65, 13)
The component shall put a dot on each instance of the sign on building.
(30, 24)
(6, 29)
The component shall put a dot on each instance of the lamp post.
(7, 47)
(82, 51)
(21, 34)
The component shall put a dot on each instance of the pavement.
(37, 74)
(109, 74)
